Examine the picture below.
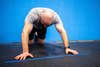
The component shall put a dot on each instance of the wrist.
(25, 52)
(67, 47)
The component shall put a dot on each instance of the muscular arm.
(30, 18)
(25, 36)
(62, 31)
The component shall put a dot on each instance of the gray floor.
(52, 55)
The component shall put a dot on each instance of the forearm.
(65, 39)
(25, 42)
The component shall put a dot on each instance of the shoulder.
(57, 19)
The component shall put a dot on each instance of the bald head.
(46, 17)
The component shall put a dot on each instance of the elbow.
(22, 34)
(62, 31)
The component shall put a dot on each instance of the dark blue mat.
(51, 55)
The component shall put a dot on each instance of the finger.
(31, 55)
(66, 51)
(17, 57)
(76, 52)
(21, 58)
(24, 57)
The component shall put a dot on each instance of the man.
(36, 23)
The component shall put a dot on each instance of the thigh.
(31, 35)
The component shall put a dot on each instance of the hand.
(23, 56)
(70, 51)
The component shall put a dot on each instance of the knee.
(41, 41)
(31, 41)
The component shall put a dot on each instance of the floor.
(52, 55)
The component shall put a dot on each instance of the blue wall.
(81, 18)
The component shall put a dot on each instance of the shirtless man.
(36, 23)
